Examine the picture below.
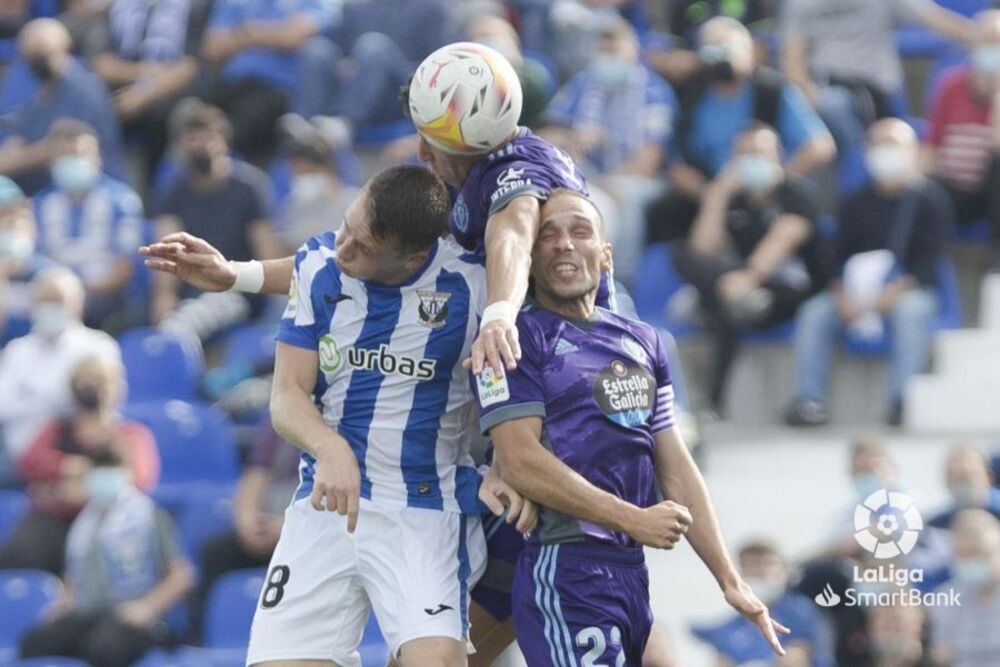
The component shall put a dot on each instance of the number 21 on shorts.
(593, 637)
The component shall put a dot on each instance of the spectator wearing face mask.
(753, 254)
(970, 483)
(56, 86)
(318, 198)
(56, 465)
(124, 571)
(220, 199)
(738, 642)
(20, 261)
(889, 242)
(616, 118)
(90, 222)
(723, 99)
(966, 635)
(963, 138)
(35, 369)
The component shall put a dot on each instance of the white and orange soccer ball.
(465, 98)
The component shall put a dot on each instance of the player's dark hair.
(409, 206)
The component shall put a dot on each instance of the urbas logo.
(331, 358)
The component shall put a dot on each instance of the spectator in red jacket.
(56, 466)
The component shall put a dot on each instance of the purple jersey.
(603, 389)
(527, 165)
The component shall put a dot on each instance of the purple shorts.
(581, 603)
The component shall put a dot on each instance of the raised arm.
(536, 473)
(295, 417)
(681, 481)
(510, 235)
(197, 262)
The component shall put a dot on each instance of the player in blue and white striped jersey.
(369, 383)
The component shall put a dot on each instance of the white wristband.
(249, 277)
(501, 310)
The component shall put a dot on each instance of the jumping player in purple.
(592, 398)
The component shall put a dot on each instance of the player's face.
(452, 169)
(570, 253)
(360, 255)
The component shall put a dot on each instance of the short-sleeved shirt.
(270, 66)
(79, 94)
(222, 216)
(852, 39)
(89, 234)
(603, 391)
(149, 30)
(959, 130)
(867, 219)
(634, 116)
(969, 630)
(717, 119)
(390, 372)
(527, 165)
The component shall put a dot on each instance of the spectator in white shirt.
(35, 369)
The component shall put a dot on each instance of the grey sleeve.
(510, 413)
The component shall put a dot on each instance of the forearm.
(17, 157)
(782, 240)
(539, 476)
(644, 163)
(221, 45)
(681, 482)
(295, 418)
(172, 589)
(949, 23)
(278, 275)
(285, 36)
(814, 154)
(167, 82)
(687, 180)
(794, 57)
(510, 235)
(708, 233)
(117, 71)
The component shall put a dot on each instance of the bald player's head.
(45, 45)
(892, 152)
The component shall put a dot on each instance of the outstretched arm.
(681, 481)
(535, 472)
(197, 262)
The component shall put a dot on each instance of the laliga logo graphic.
(887, 524)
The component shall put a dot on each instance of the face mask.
(965, 494)
(49, 319)
(105, 485)
(41, 68)
(758, 173)
(610, 71)
(889, 164)
(972, 572)
(74, 174)
(88, 396)
(866, 483)
(765, 589)
(200, 163)
(308, 187)
(17, 247)
(986, 60)
(719, 62)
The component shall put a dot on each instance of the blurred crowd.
(758, 164)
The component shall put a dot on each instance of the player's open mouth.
(565, 268)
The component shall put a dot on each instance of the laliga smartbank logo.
(887, 525)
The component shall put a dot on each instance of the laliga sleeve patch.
(293, 299)
(492, 389)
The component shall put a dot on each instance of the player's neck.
(581, 308)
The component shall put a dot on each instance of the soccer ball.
(465, 98)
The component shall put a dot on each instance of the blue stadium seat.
(230, 606)
(374, 136)
(160, 365)
(49, 661)
(205, 509)
(24, 597)
(656, 280)
(13, 507)
(252, 345)
(195, 441)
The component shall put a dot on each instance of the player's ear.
(416, 259)
(607, 257)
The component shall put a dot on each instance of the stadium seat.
(656, 280)
(50, 661)
(24, 597)
(252, 345)
(205, 509)
(160, 365)
(195, 441)
(230, 606)
(13, 506)
(374, 136)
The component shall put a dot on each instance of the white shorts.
(414, 566)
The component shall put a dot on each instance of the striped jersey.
(390, 377)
